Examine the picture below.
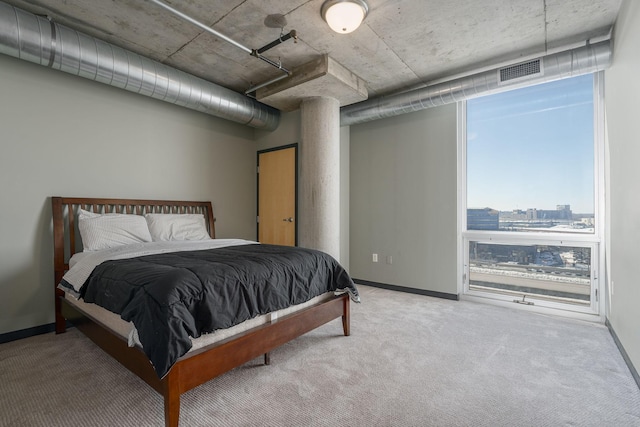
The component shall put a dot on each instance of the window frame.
(596, 310)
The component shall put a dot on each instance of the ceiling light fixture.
(344, 16)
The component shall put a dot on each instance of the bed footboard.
(206, 363)
(209, 362)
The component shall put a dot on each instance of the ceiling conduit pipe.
(35, 39)
(574, 62)
(253, 52)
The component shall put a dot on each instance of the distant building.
(589, 222)
(513, 215)
(561, 212)
(483, 219)
(518, 214)
(564, 212)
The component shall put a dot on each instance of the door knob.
(288, 219)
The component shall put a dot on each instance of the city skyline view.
(532, 148)
(560, 219)
(551, 208)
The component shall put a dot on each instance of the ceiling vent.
(520, 71)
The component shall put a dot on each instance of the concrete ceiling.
(402, 43)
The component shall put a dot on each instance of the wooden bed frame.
(199, 366)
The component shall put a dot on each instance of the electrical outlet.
(374, 257)
(389, 259)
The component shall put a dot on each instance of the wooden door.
(277, 207)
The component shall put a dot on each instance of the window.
(530, 159)
(531, 193)
(549, 273)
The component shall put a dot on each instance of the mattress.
(127, 331)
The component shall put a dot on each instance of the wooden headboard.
(65, 220)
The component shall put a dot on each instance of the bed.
(201, 364)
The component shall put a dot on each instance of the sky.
(532, 147)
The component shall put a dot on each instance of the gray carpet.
(411, 361)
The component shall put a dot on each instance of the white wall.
(622, 98)
(62, 135)
(403, 200)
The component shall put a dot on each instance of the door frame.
(295, 167)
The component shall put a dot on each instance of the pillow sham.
(169, 227)
(104, 231)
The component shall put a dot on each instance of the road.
(571, 288)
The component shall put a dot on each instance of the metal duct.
(35, 39)
(570, 63)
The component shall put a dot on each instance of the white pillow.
(110, 230)
(166, 227)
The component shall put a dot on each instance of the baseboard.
(623, 352)
(436, 294)
(29, 332)
(25, 333)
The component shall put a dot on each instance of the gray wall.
(622, 100)
(288, 132)
(345, 197)
(403, 200)
(66, 136)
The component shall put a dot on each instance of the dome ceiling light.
(344, 16)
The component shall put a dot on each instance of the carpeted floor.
(410, 361)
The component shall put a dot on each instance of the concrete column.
(319, 193)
